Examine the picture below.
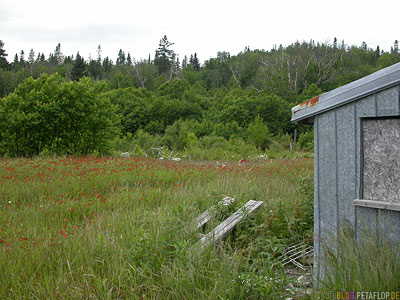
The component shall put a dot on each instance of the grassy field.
(120, 228)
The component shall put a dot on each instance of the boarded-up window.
(381, 160)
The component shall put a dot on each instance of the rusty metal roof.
(304, 113)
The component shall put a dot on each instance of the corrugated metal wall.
(337, 150)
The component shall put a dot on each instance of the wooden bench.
(226, 226)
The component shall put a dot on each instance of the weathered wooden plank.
(226, 226)
(377, 204)
(211, 212)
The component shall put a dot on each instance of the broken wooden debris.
(211, 212)
(295, 253)
(226, 226)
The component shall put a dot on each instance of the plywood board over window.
(380, 187)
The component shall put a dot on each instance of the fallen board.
(226, 226)
(211, 212)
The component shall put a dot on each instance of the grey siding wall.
(337, 151)
(346, 126)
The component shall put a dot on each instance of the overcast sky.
(205, 27)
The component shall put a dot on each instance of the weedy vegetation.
(121, 228)
(366, 261)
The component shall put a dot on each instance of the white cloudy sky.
(205, 27)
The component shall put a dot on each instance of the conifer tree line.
(226, 96)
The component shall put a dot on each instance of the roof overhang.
(304, 113)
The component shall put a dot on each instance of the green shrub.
(306, 140)
(209, 142)
(178, 135)
(144, 140)
(239, 146)
(258, 134)
(53, 115)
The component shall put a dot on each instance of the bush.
(57, 116)
(144, 144)
(209, 142)
(306, 140)
(258, 134)
(177, 136)
(239, 146)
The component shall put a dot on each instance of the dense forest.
(245, 98)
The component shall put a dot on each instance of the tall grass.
(365, 263)
(120, 228)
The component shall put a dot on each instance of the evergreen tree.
(94, 69)
(52, 60)
(343, 45)
(177, 65)
(121, 60)
(165, 57)
(78, 68)
(31, 57)
(31, 60)
(184, 62)
(195, 62)
(16, 62)
(129, 60)
(107, 65)
(396, 47)
(58, 56)
(68, 60)
(22, 58)
(364, 46)
(377, 51)
(3, 54)
(99, 53)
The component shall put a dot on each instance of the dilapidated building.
(357, 157)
